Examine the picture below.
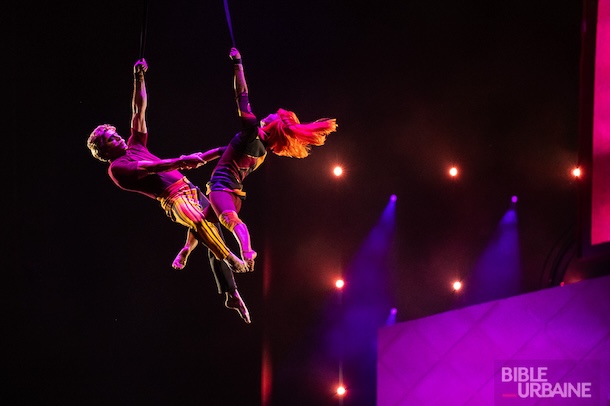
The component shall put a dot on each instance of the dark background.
(97, 315)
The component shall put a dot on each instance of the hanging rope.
(143, 29)
(228, 15)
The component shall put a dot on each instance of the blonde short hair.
(93, 142)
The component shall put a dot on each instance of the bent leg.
(226, 205)
(221, 271)
(232, 222)
(186, 210)
(189, 245)
(225, 282)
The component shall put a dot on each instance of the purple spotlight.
(391, 320)
(393, 198)
(514, 199)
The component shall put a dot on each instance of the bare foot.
(249, 257)
(236, 264)
(180, 260)
(235, 302)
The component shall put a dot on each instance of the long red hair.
(287, 136)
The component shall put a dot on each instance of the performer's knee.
(230, 219)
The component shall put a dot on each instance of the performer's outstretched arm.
(191, 161)
(214, 153)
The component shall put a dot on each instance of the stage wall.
(552, 338)
(600, 192)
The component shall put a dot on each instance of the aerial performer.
(134, 168)
(281, 133)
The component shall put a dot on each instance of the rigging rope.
(143, 29)
(228, 15)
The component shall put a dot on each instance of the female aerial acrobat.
(281, 133)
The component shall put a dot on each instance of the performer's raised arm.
(239, 78)
(139, 100)
(241, 90)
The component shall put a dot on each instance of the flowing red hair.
(287, 136)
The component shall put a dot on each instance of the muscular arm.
(191, 161)
(139, 99)
(239, 82)
(239, 79)
(212, 154)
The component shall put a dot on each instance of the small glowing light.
(341, 390)
(338, 171)
(393, 198)
(391, 320)
(457, 285)
(576, 172)
(453, 171)
(340, 283)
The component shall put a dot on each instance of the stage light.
(338, 171)
(514, 199)
(391, 319)
(453, 171)
(393, 198)
(576, 172)
(341, 391)
(340, 283)
(457, 285)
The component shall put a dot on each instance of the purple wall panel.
(455, 358)
(600, 193)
